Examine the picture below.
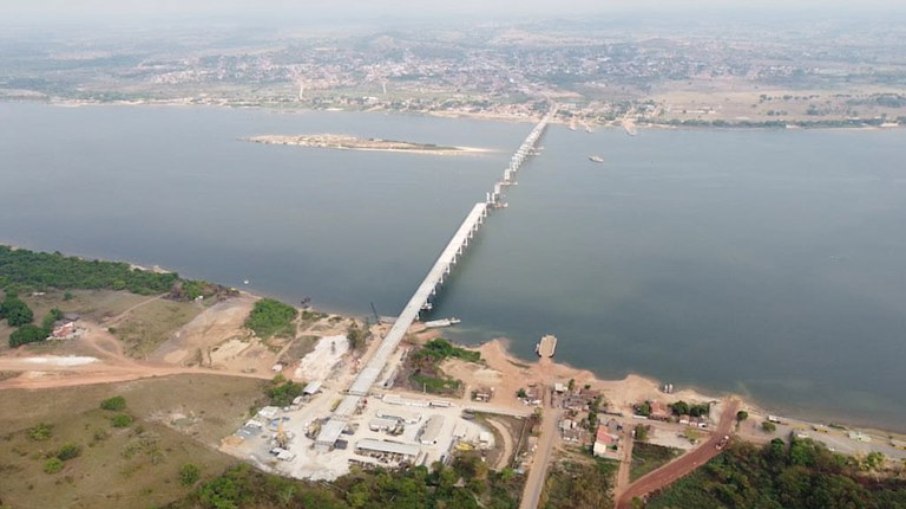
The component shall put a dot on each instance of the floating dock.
(547, 346)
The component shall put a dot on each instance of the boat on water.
(444, 322)
(596, 159)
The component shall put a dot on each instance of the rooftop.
(369, 444)
(603, 436)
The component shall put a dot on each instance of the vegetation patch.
(115, 404)
(282, 392)
(580, 483)
(422, 372)
(121, 421)
(466, 484)
(271, 317)
(803, 474)
(435, 384)
(440, 349)
(45, 270)
(647, 457)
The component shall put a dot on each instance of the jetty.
(547, 346)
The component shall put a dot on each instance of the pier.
(421, 299)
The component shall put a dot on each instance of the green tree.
(16, 312)
(53, 465)
(741, 415)
(121, 421)
(25, 334)
(115, 404)
(189, 474)
(69, 451)
(271, 317)
(282, 392)
(680, 408)
(356, 336)
(768, 427)
(874, 461)
(40, 432)
(50, 318)
(641, 432)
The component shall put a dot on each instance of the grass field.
(579, 482)
(177, 420)
(146, 327)
(648, 457)
(92, 304)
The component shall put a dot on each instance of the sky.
(282, 12)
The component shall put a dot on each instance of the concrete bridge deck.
(428, 288)
(420, 300)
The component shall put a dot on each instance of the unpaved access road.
(683, 465)
(534, 483)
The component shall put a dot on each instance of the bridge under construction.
(421, 299)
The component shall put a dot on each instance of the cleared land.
(177, 420)
(648, 457)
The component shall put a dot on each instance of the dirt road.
(507, 455)
(534, 483)
(684, 465)
(625, 464)
(109, 367)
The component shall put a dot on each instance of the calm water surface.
(770, 263)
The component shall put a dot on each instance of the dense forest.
(801, 475)
(467, 483)
(41, 271)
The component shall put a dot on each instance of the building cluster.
(499, 76)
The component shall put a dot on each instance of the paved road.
(534, 483)
(684, 465)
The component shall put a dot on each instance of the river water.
(769, 263)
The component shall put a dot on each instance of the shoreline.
(647, 383)
(630, 388)
(489, 117)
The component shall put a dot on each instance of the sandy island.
(346, 142)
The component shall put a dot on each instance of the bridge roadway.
(420, 300)
(331, 431)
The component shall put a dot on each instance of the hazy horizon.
(283, 12)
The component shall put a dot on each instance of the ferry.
(444, 322)
(596, 159)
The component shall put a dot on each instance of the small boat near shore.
(444, 322)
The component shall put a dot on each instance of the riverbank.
(507, 374)
(843, 123)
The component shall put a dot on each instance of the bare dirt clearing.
(213, 326)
